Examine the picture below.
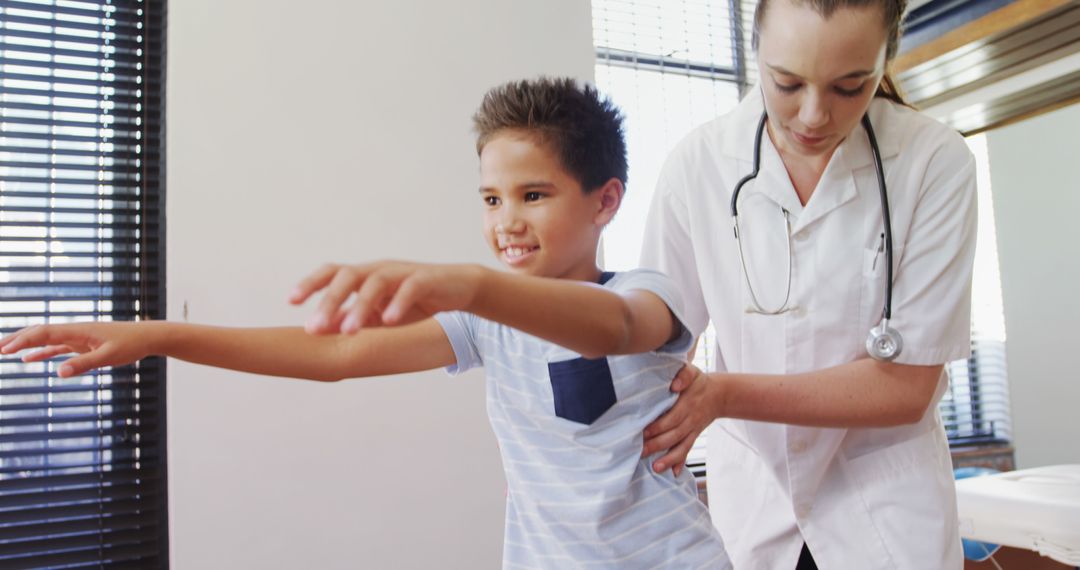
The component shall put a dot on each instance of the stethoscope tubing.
(886, 219)
(756, 307)
(886, 216)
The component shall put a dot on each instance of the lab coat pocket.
(582, 388)
(873, 261)
(884, 461)
(907, 489)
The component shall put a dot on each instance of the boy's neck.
(590, 273)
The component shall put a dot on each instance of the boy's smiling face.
(537, 219)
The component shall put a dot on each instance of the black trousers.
(806, 561)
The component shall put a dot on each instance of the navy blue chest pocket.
(583, 389)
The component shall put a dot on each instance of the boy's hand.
(386, 293)
(98, 344)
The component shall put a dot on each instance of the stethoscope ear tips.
(884, 342)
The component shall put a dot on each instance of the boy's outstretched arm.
(286, 351)
(583, 317)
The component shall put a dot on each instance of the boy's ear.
(610, 197)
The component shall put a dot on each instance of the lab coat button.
(802, 511)
(798, 446)
(802, 236)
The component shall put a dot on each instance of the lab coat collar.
(773, 180)
(837, 186)
(854, 155)
(739, 141)
(887, 129)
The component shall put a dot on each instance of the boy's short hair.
(582, 127)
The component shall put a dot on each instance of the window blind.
(672, 65)
(82, 460)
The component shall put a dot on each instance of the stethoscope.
(884, 342)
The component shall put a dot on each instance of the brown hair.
(892, 12)
(582, 127)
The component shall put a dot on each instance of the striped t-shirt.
(570, 434)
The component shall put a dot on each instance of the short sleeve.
(668, 248)
(660, 285)
(460, 329)
(932, 287)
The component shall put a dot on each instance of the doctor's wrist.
(717, 394)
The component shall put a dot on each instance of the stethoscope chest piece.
(884, 342)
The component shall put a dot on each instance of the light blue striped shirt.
(570, 434)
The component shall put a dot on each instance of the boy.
(578, 361)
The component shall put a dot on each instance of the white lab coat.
(861, 498)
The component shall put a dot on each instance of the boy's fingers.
(317, 280)
(405, 298)
(368, 304)
(6, 340)
(341, 285)
(81, 364)
(27, 338)
(339, 318)
(47, 353)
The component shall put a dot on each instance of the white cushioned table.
(1036, 509)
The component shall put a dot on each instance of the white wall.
(333, 130)
(1033, 169)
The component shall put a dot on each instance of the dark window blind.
(82, 460)
(975, 408)
(672, 65)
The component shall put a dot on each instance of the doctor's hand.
(698, 405)
(385, 293)
(98, 344)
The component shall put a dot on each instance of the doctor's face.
(818, 75)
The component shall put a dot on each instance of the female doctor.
(838, 281)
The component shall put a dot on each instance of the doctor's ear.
(609, 198)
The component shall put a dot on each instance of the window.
(670, 66)
(82, 460)
(673, 65)
(975, 408)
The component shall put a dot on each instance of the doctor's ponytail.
(889, 89)
(892, 12)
